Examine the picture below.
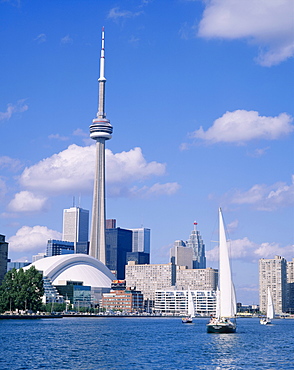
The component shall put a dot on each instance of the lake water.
(143, 343)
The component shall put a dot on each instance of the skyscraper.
(100, 131)
(141, 240)
(3, 257)
(76, 228)
(195, 241)
(273, 275)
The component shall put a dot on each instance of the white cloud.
(156, 189)
(241, 126)
(72, 170)
(58, 137)
(265, 23)
(10, 163)
(246, 250)
(41, 38)
(266, 198)
(19, 107)
(66, 40)
(32, 238)
(116, 13)
(26, 201)
(3, 188)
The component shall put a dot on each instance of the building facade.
(141, 240)
(76, 228)
(118, 244)
(59, 247)
(196, 279)
(290, 287)
(273, 274)
(3, 257)
(181, 255)
(196, 243)
(175, 302)
(140, 258)
(123, 300)
(149, 278)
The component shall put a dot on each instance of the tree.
(21, 290)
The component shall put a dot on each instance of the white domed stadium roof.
(75, 267)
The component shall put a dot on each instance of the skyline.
(202, 113)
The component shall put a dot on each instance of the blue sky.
(200, 96)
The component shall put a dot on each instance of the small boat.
(226, 306)
(191, 311)
(270, 312)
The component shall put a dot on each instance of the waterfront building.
(128, 300)
(59, 247)
(196, 243)
(141, 240)
(100, 131)
(273, 275)
(76, 267)
(3, 257)
(290, 286)
(149, 278)
(78, 294)
(175, 302)
(76, 228)
(181, 255)
(118, 244)
(196, 279)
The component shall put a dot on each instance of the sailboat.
(225, 296)
(270, 313)
(191, 311)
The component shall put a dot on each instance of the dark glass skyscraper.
(118, 243)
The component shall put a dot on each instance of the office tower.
(59, 247)
(16, 265)
(195, 241)
(118, 243)
(140, 258)
(38, 257)
(3, 257)
(141, 240)
(181, 255)
(290, 286)
(111, 223)
(75, 225)
(100, 131)
(273, 274)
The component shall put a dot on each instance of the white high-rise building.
(141, 240)
(273, 275)
(75, 225)
(100, 131)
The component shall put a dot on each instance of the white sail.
(191, 310)
(226, 287)
(270, 306)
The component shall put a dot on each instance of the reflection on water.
(224, 347)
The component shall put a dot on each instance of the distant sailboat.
(191, 311)
(270, 312)
(226, 299)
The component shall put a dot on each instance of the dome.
(75, 267)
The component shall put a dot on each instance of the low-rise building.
(174, 301)
(128, 300)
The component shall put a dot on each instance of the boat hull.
(221, 328)
(187, 320)
(265, 321)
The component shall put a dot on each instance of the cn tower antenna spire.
(100, 131)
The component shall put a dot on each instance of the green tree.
(21, 290)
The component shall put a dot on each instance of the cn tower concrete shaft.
(100, 130)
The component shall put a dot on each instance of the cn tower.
(100, 130)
